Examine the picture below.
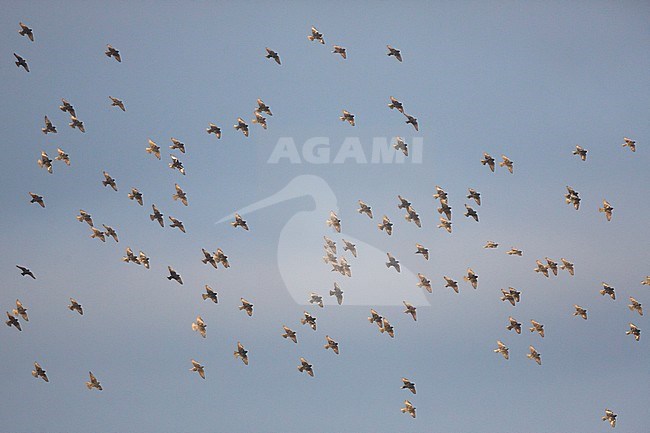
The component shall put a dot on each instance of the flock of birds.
(218, 258)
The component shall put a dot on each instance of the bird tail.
(34, 373)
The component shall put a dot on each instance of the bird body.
(308, 320)
(610, 417)
(627, 142)
(502, 349)
(386, 225)
(199, 326)
(39, 372)
(117, 103)
(49, 127)
(241, 126)
(513, 325)
(173, 275)
(210, 294)
(198, 368)
(608, 290)
(239, 222)
(451, 283)
(582, 153)
(334, 222)
(77, 124)
(410, 309)
(347, 117)
(316, 36)
(340, 50)
(246, 306)
(67, 108)
(506, 162)
(472, 278)
(75, 306)
(489, 161)
(25, 272)
(110, 232)
(537, 327)
(93, 383)
(26, 31)
(153, 149)
(20, 61)
(580, 311)
(21, 311)
(394, 52)
(109, 181)
(534, 355)
(176, 144)
(45, 162)
(395, 104)
(635, 306)
(331, 344)
(13, 321)
(392, 262)
(408, 408)
(241, 353)
(607, 209)
(407, 384)
(135, 195)
(338, 293)
(112, 52)
(270, 54)
(306, 367)
(214, 129)
(157, 216)
(289, 333)
(422, 250)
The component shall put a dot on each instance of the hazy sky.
(526, 79)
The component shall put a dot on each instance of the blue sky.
(528, 80)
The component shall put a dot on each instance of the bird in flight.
(117, 103)
(20, 61)
(198, 368)
(26, 31)
(241, 353)
(340, 50)
(306, 367)
(39, 372)
(112, 52)
(270, 54)
(394, 52)
(25, 272)
(93, 383)
(316, 36)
